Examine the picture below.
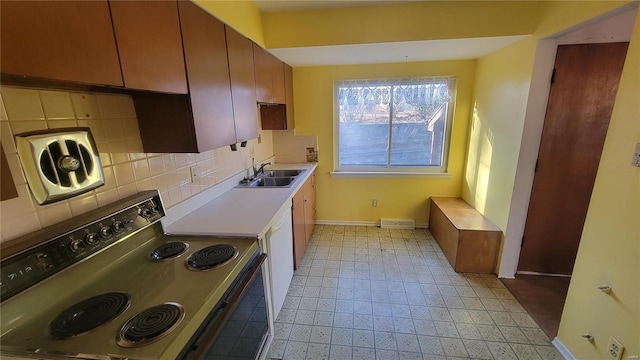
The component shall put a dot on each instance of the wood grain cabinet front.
(59, 40)
(243, 85)
(304, 218)
(270, 84)
(150, 45)
(203, 119)
(274, 90)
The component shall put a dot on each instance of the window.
(393, 126)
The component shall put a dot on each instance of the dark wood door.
(150, 45)
(61, 40)
(581, 99)
(243, 85)
(205, 51)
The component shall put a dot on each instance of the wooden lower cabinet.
(304, 218)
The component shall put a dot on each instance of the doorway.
(584, 86)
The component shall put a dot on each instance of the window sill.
(387, 174)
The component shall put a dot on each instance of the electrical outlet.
(374, 202)
(615, 348)
(195, 173)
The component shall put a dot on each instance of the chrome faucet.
(260, 169)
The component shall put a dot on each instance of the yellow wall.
(241, 15)
(558, 15)
(609, 247)
(501, 92)
(610, 244)
(349, 199)
(418, 20)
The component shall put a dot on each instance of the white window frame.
(393, 171)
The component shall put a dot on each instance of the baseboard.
(539, 273)
(562, 349)
(348, 223)
(363, 223)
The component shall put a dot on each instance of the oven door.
(239, 325)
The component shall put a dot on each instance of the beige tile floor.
(371, 293)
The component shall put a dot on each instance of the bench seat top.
(462, 215)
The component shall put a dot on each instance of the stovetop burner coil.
(211, 256)
(168, 251)
(150, 325)
(88, 314)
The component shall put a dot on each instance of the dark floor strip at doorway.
(542, 297)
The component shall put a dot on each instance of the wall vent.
(397, 224)
(59, 163)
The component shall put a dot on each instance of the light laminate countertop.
(238, 212)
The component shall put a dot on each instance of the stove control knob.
(92, 239)
(118, 226)
(76, 245)
(145, 213)
(105, 232)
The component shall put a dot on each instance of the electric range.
(112, 285)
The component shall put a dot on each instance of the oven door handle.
(227, 306)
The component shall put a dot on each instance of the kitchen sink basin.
(269, 182)
(282, 173)
(272, 178)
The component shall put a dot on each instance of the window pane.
(418, 124)
(364, 125)
(393, 123)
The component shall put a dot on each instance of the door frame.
(532, 132)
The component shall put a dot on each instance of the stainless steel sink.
(272, 178)
(282, 173)
(269, 182)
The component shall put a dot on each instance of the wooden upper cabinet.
(203, 119)
(60, 40)
(205, 51)
(270, 81)
(277, 68)
(288, 84)
(149, 44)
(243, 88)
(264, 83)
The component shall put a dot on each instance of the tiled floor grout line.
(371, 293)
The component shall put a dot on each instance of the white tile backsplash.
(127, 169)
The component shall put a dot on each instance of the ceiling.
(608, 29)
(428, 50)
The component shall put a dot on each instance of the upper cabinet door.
(277, 69)
(243, 88)
(205, 52)
(288, 83)
(61, 40)
(264, 82)
(149, 44)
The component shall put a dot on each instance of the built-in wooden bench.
(469, 240)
